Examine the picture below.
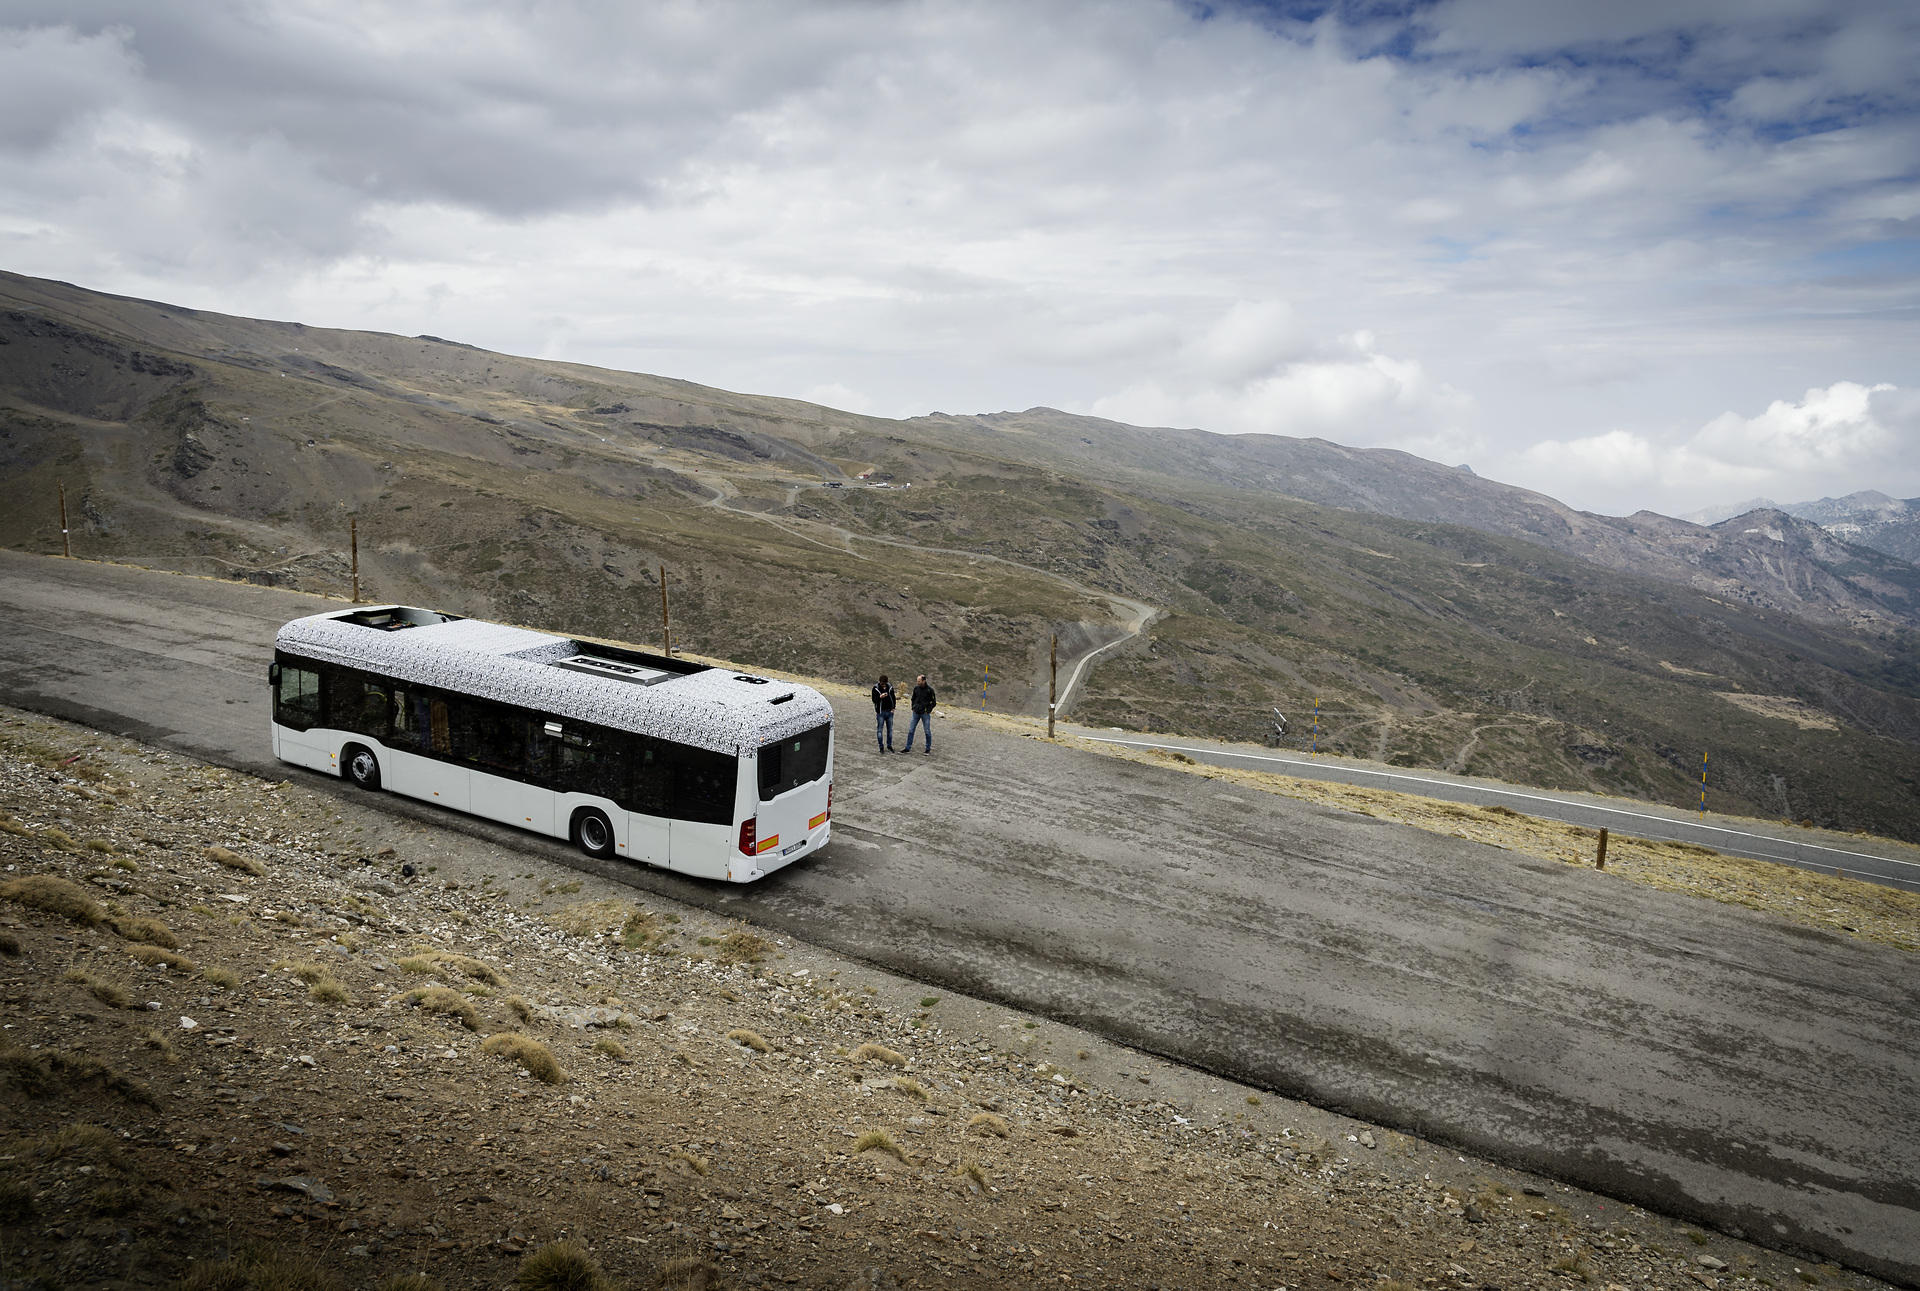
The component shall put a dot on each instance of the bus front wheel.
(594, 834)
(362, 767)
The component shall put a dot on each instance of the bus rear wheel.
(362, 767)
(594, 834)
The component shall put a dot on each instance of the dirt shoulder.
(1837, 904)
(239, 1010)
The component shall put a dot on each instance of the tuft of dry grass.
(584, 918)
(878, 1053)
(156, 1039)
(152, 955)
(122, 863)
(518, 1006)
(328, 991)
(750, 1040)
(691, 1273)
(443, 1000)
(561, 1266)
(642, 932)
(234, 861)
(91, 1142)
(304, 969)
(611, 1047)
(446, 965)
(59, 839)
(256, 1266)
(108, 993)
(41, 1072)
(988, 1123)
(743, 946)
(880, 1141)
(974, 1175)
(911, 1088)
(697, 1164)
(55, 896)
(528, 1053)
(224, 978)
(145, 929)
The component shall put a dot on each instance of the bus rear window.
(793, 762)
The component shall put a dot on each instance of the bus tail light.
(748, 828)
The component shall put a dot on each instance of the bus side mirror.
(273, 674)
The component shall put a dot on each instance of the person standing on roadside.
(923, 701)
(883, 701)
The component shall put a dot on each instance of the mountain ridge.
(1487, 629)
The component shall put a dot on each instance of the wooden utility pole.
(66, 543)
(666, 620)
(1053, 680)
(1600, 861)
(353, 541)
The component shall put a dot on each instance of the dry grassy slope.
(736, 1110)
(550, 494)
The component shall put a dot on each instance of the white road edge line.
(1510, 793)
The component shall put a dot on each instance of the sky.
(1634, 254)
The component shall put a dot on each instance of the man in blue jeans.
(883, 700)
(923, 701)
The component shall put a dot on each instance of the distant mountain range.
(1867, 519)
(1437, 618)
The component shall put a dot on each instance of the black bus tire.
(594, 833)
(361, 766)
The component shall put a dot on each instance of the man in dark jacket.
(923, 701)
(883, 700)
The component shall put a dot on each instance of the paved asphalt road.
(1877, 860)
(1701, 1059)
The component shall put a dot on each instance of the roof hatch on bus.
(613, 669)
(392, 618)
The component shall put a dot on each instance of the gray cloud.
(1472, 231)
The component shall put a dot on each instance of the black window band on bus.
(639, 773)
(787, 764)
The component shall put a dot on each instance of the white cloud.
(1255, 369)
(1562, 222)
(1835, 440)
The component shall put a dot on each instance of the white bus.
(657, 760)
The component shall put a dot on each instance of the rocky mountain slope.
(1868, 518)
(1439, 619)
(242, 1012)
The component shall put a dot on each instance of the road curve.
(1701, 1059)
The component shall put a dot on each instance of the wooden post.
(66, 543)
(1600, 861)
(1053, 680)
(666, 622)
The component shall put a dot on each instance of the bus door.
(649, 829)
(508, 753)
(422, 751)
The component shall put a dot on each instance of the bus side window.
(592, 761)
(492, 735)
(439, 722)
(653, 777)
(296, 701)
(356, 702)
(410, 721)
(703, 785)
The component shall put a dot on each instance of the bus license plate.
(791, 848)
